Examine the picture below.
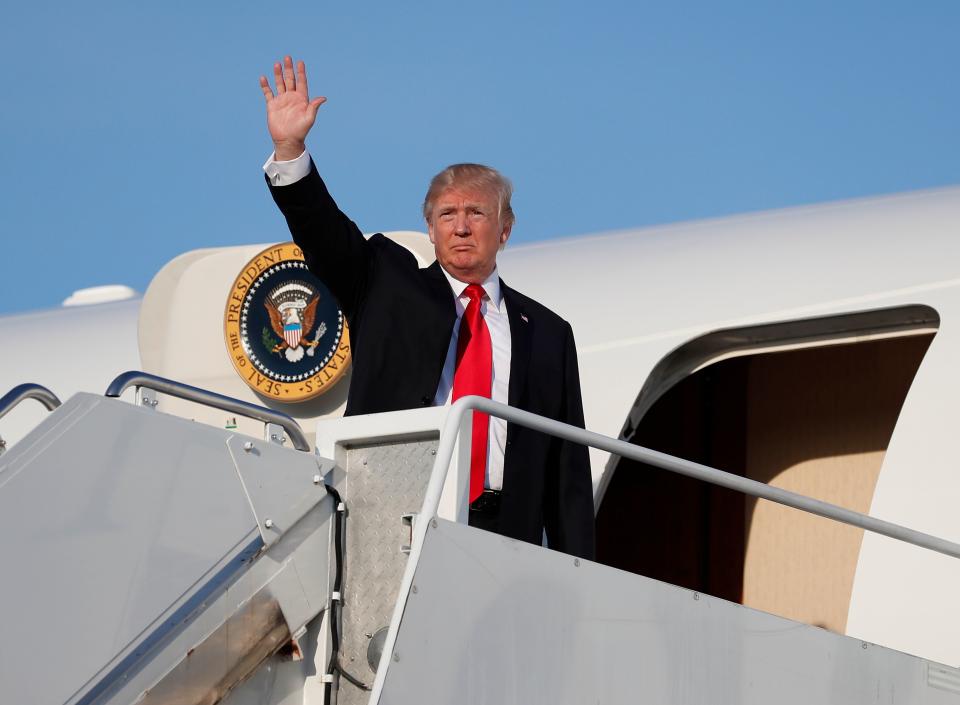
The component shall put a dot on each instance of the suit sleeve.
(333, 246)
(569, 513)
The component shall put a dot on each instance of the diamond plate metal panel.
(382, 483)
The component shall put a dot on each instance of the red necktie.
(473, 376)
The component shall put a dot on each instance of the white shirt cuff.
(289, 172)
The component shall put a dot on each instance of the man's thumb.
(315, 106)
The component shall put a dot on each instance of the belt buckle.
(487, 503)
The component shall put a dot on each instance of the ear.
(505, 235)
(430, 232)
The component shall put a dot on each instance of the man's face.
(466, 232)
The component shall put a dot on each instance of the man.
(425, 337)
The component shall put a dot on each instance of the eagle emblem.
(286, 335)
(292, 308)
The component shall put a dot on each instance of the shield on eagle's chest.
(292, 333)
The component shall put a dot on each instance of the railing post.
(454, 500)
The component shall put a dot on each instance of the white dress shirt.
(494, 311)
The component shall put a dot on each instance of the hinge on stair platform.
(275, 434)
(148, 397)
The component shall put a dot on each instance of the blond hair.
(473, 176)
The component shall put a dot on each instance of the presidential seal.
(285, 333)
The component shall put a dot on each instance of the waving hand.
(290, 113)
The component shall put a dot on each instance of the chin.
(463, 264)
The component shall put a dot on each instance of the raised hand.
(290, 113)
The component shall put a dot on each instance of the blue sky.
(134, 132)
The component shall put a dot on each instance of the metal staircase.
(153, 559)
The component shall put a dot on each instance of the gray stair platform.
(491, 620)
(136, 560)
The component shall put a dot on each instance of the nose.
(462, 224)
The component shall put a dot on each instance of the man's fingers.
(278, 79)
(265, 87)
(302, 78)
(289, 82)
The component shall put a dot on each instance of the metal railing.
(28, 391)
(208, 398)
(667, 462)
(458, 428)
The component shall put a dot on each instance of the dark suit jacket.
(401, 318)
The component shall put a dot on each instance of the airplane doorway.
(809, 406)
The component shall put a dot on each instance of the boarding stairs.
(153, 559)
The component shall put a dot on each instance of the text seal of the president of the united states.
(286, 335)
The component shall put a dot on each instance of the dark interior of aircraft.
(816, 419)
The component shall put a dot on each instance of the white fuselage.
(633, 298)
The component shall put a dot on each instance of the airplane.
(807, 349)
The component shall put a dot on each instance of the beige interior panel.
(818, 423)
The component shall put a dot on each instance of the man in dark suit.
(426, 336)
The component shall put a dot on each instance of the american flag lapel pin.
(523, 317)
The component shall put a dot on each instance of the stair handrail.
(28, 390)
(664, 461)
(138, 379)
(458, 426)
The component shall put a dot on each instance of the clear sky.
(133, 132)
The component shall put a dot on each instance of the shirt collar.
(491, 285)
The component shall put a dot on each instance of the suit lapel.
(439, 323)
(521, 335)
(440, 291)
